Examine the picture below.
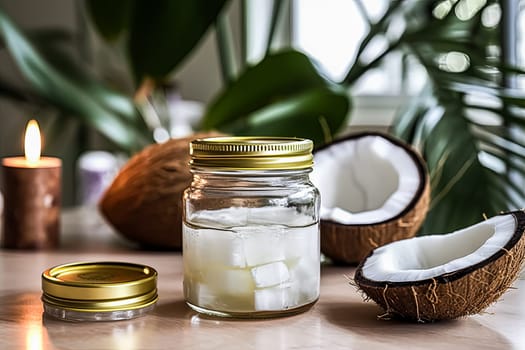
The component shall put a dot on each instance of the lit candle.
(31, 196)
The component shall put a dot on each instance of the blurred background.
(197, 80)
(445, 75)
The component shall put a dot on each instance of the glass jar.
(251, 227)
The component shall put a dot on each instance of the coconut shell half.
(144, 202)
(457, 293)
(350, 243)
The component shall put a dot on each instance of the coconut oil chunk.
(270, 274)
(305, 278)
(207, 247)
(276, 298)
(230, 281)
(263, 244)
(262, 266)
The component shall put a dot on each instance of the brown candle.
(31, 198)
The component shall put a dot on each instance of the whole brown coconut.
(460, 292)
(144, 202)
(350, 243)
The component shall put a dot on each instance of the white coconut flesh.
(365, 180)
(426, 257)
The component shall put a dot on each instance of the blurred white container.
(95, 170)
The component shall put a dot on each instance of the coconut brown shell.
(144, 202)
(349, 244)
(465, 292)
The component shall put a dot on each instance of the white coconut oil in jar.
(251, 228)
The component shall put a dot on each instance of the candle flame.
(32, 144)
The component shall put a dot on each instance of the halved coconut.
(448, 276)
(374, 190)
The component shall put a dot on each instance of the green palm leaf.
(471, 131)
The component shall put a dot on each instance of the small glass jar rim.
(65, 314)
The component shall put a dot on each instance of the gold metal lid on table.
(99, 286)
(252, 153)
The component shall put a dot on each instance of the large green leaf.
(59, 55)
(316, 114)
(282, 94)
(163, 32)
(63, 92)
(226, 48)
(475, 164)
(451, 153)
(110, 17)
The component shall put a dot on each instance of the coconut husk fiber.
(144, 202)
(464, 292)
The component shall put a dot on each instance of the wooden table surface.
(340, 320)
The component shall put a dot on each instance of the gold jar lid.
(100, 286)
(251, 153)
